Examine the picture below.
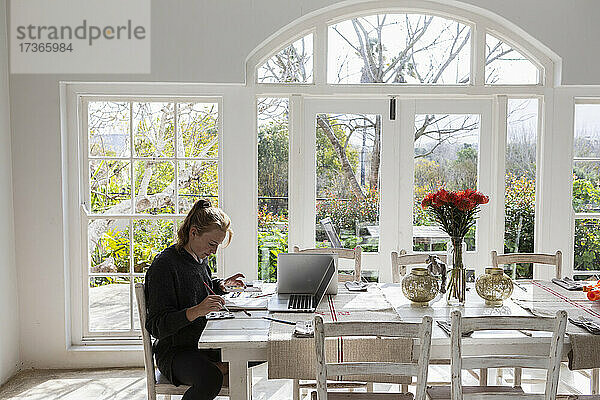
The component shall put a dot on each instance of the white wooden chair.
(535, 258)
(527, 358)
(418, 368)
(155, 381)
(401, 260)
(350, 254)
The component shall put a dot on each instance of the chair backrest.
(536, 258)
(332, 235)
(401, 260)
(527, 357)
(140, 296)
(408, 330)
(350, 254)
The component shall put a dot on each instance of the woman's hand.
(234, 280)
(210, 303)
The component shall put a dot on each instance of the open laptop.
(302, 280)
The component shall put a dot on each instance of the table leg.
(295, 389)
(595, 381)
(483, 377)
(240, 388)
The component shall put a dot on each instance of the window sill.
(106, 345)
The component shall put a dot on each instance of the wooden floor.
(129, 384)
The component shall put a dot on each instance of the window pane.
(294, 64)
(108, 128)
(197, 180)
(587, 130)
(109, 303)
(198, 130)
(110, 187)
(399, 48)
(108, 241)
(150, 237)
(586, 186)
(273, 156)
(348, 166)
(446, 153)
(587, 245)
(505, 65)
(154, 187)
(520, 159)
(153, 129)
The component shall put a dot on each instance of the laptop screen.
(324, 283)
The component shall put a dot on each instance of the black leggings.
(197, 369)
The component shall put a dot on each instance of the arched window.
(399, 48)
(293, 64)
(505, 65)
(449, 69)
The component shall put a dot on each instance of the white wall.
(9, 306)
(192, 41)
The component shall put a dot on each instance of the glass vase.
(457, 284)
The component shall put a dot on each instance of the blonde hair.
(204, 218)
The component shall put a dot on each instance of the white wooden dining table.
(246, 338)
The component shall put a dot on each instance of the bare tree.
(428, 52)
(290, 65)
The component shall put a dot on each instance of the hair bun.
(202, 203)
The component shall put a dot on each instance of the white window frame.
(235, 107)
(579, 215)
(303, 184)
(87, 214)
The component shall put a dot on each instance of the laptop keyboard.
(300, 302)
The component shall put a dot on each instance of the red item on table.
(593, 295)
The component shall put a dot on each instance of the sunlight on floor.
(130, 384)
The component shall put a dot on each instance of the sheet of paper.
(246, 302)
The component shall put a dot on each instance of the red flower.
(464, 203)
(440, 198)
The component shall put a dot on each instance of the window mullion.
(320, 55)
(131, 277)
(478, 56)
(131, 151)
(176, 153)
(499, 174)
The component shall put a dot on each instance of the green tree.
(519, 219)
(273, 155)
(462, 172)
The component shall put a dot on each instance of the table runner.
(550, 298)
(290, 357)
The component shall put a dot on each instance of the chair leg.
(499, 377)
(595, 381)
(370, 387)
(404, 388)
(296, 389)
(518, 375)
(483, 377)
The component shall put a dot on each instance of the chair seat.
(443, 392)
(584, 397)
(164, 386)
(333, 385)
(163, 380)
(364, 396)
